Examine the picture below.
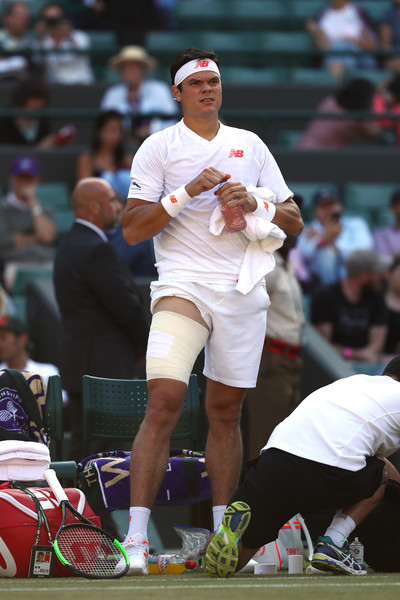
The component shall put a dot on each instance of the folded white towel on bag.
(24, 461)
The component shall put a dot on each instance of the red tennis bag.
(18, 525)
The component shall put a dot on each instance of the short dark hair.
(188, 55)
(33, 87)
(356, 94)
(393, 367)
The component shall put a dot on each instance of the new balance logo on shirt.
(236, 153)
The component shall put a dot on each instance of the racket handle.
(55, 486)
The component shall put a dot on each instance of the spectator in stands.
(389, 35)
(14, 37)
(325, 244)
(104, 326)
(31, 95)
(387, 100)
(27, 229)
(356, 95)
(108, 153)
(387, 239)
(344, 26)
(278, 384)
(94, 17)
(14, 40)
(136, 93)
(392, 300)
(16, 347)
(351, 314)
(131, 20)
(54, 31)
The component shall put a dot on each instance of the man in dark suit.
(104, 326)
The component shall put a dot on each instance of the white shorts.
(237, 325)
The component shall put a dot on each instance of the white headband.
(205, 64)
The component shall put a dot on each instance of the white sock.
(138, 520)
(218, 513)
(341, 527)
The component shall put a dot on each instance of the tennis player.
(210, 290)
(328, 454)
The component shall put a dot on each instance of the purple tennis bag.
(104, 479)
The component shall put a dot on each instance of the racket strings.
(90, 550)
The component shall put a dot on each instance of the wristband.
(347, 353)
(174, 202)
(37, 210)
(265, 209)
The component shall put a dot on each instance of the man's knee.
(174, 343)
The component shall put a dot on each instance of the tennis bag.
(288, 542)
(104, 479)
(18, 526)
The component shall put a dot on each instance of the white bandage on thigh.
(174, 202)
(174, 343)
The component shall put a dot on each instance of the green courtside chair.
(113, 409)
(54, 426)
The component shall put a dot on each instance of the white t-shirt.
(339, 24)
(186, 250)
(343, 423)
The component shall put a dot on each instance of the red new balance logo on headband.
(236, 154)
(202, 63)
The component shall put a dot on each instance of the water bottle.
(169, 564)
(233, 217)
(357, 550)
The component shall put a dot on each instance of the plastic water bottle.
(357, 550)
(169, 564)
(234, 218)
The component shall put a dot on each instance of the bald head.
(94, 200)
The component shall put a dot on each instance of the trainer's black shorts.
(279, 485)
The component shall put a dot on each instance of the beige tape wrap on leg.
(175, 341)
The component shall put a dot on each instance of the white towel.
(24, 461)
(265, 237)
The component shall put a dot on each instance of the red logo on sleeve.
(266, 205)
(202, 63)
(173, 199)
(236, 153)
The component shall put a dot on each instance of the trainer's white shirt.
(343, 423)
(186, 250)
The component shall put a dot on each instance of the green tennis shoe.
(222, 552)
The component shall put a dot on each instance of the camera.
(336, 215)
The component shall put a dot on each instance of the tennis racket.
(82, 547)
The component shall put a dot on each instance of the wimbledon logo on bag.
(12, 414)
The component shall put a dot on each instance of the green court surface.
(197, 586)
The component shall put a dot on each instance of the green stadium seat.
(301, 10)
(167, 44)
(254, 14)
(312, 76)
(370, 200)
(375, 9)
(26, 274)
(253, 76)
(64, 217)
(288, 138)
(375, 76)
(288, 48)
(308, 190)
(192, 15)
(55, 194)
(232, 47)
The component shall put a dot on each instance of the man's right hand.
(207, 179)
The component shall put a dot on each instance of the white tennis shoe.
(137, 549)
